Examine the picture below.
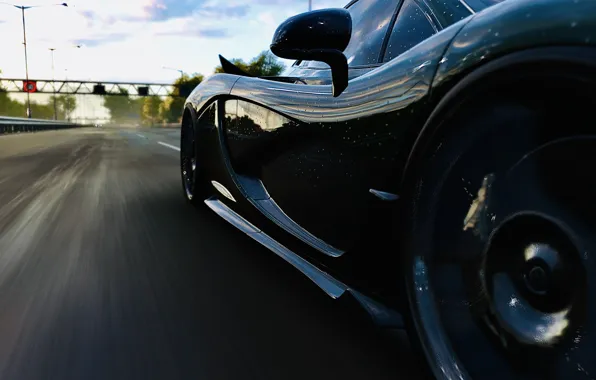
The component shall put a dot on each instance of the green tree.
(9, 107)
(263, 65)
(42, 111)
(151, 107)
(170, 110)
(14, 108)
(122, 107)
(65, 104)
(185, 85)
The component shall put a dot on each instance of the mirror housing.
(320, 35)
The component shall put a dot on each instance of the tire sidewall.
(197, 184)
(442, 153)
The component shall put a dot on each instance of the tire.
(191, 173)
(500, 255)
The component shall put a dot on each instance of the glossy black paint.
(345, 146)
(371, 20)
(318, 156)
(319, 36)
(322, 29)
(514, 26)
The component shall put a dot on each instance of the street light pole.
(23, 8)
(180, 71)
(54, 80)
(26, 62)
(54, 85)
(309, 5)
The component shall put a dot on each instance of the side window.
(245, 120)
(479, 5)
(448, 12)
(230, 120)
(370, 20)
(250, 130)
(411, 27)
(208, 116)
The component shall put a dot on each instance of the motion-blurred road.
(106, 273)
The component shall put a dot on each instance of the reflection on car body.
(344, 165)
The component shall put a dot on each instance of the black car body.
(319, 179)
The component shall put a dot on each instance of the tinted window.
(490, 3)
(253, 135)
(487, 3)
(208, 116)
(230, 111)
(411, 28)
(448, 12)
(370, 20)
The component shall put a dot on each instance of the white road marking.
(169, 146)
(141, 136)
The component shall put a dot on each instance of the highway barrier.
(10, 125)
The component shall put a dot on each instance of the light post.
(23, 8)
(309, 5)
(54, 85)
(180, 71)
(54, 81)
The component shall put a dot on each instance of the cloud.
(200, 32)
(233, 11)
(316, 4)
(119, 34)
(161, 10)
(213, 33)
(88, 14)
(102, 40)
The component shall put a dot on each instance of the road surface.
(106, 273)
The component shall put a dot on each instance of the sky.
(132, 40)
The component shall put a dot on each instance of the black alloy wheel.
(501, 258)
(189, 169)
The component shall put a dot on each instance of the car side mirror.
(320, 35)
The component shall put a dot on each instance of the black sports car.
(432, 159)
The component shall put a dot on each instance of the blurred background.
(164, 47)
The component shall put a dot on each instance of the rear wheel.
(501, 259)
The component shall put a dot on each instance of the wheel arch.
(449, 99)
(189, 112)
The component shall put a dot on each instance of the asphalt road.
(106, 273)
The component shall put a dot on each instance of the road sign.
(99, 89)
(78, 87)
(29, 86)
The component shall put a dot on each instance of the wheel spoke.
(463, 309)
(514, 284)
(555, 180)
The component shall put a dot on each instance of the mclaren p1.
(430, 159)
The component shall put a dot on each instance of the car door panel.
(340, 148)
(255, 138)
(255, 134)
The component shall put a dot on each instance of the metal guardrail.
(10, 125)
